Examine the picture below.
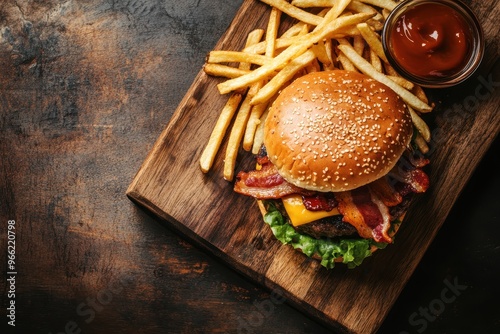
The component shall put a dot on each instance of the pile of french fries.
(324, 35)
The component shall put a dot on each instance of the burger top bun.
(336, 130)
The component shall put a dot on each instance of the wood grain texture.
(86, 87)
(204, 208)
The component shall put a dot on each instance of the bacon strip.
(366, 212)
(265, 183)
(366, 208)
(410, 181)
(383, 189)
(320, 202)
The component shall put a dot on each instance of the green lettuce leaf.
(352, 250)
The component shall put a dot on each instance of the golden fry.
(375, 25)
(254, 37)
(219, 131)
(272, 31)
(235, 137)
(335, 13)
(421, 144)
(358, 44)
(321, 53)
(346, 63)
(372, 40)
(304, 43)
(215, 57)
(420, 124)
(258, 139)
(389, 70)
(420, 93)
(402, 82)
(294, 30)
(252, 125)
(277, 82)
(294, 11)
(387, 4)
(375, 61)
(385, 13)
(241, 117)
(218, 70)
(313, 3)
(365, 67)
(350, 31)
(313, 66)
(329, 53)
(280, 43)
(257, 110)
(359, 7)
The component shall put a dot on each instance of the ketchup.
(431, 40)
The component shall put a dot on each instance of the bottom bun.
(329, 251)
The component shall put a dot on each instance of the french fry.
(365, 67)
(257, 110)
(375, 61)
(215, 57)
(294, 11)
(385, 13)
(313, 3)
(208, 156)
(324, 11)
(239, 125)
(346, 63)
(389, 70)
(421, 143)
(359, 7)
(356, 6)
(219, 131)
(321, 53)
(218, 70)
(402, 82)
(420, 124)
(375, 25)
(335, 12)
(280, 43)
(294, 30)
(231, 72)
(235, 137)
(253, 38)
(372, 40)
(359, 44)
(273, 86)
(258, 139)
(253, 123)
(329, 53)
(305, 42)
(343, 41)
(387, 4)
(420, 93)
(345, 32)
(272, 31)
(285, 41)
(313, 66)
(305, 30)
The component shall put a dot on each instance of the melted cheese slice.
(298, 213)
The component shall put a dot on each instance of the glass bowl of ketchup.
(435, 43)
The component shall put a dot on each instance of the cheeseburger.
(337, 169)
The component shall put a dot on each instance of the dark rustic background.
(85, 89)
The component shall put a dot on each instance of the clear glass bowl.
(476, 44)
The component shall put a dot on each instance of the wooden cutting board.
(205, 209)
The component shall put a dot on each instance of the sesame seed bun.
(335, 131)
